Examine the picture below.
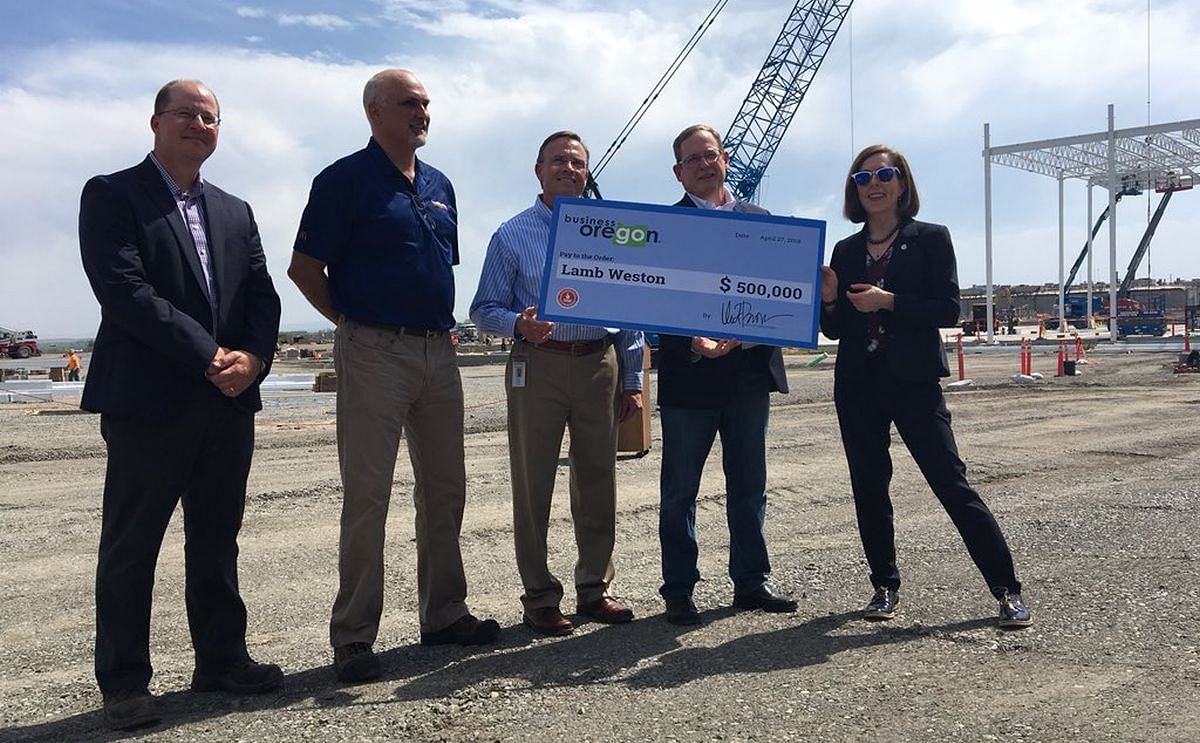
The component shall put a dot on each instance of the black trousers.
(201, 456)
(866, 409)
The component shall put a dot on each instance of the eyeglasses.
(708, 158)
(884, 174)
(186, 115)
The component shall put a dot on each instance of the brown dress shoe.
(548, 620)
(605, 609)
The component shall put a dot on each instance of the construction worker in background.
(72, 365)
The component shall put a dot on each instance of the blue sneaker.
(1013, 612)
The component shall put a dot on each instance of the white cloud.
(321, 21)
(927, 74)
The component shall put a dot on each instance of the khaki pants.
(563, 392)
(389, 381)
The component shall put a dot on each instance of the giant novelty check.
(753, 277)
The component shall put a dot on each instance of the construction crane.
(771, 104)
(778, 90)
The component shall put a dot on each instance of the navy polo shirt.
(389, 244)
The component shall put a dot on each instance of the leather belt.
(404, 330)
(576, 348)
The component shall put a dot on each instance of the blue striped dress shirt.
(512, 280)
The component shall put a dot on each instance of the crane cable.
(658, 88)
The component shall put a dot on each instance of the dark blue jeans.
(688, 435)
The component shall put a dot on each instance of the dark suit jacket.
(924, 277)
(156, 333)
(711, 383)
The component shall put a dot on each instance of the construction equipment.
(776, 93)
(18, 344)
(1133, 318)
(1083, 253)
(1004, 320)
(1144, 245)
(781, 84)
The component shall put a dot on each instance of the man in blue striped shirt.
(559, 376)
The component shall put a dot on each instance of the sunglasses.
(884, 174)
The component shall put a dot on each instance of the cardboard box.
(634, 434)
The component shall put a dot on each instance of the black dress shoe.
(766, 598)
(466, 631)
(882, 605)
(244, 677)
(682, 610)
(126, 709)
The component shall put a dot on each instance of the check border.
(547, 310)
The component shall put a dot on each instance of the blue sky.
(77, 80)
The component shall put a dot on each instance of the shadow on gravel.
(805, 644)
(186, 707)
(544, 662)
(651, 649)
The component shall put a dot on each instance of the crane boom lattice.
(782, 82)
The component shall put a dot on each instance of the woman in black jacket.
(887, 291)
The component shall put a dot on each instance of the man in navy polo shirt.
(375, 254)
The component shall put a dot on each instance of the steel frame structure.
(1114, 159)
(781, 84)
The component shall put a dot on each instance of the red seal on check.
(567, 298)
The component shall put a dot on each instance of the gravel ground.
(1093, 478)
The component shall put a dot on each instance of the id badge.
(518, 374)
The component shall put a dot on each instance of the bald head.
(397, 108)
(162, 101)
(382, 82)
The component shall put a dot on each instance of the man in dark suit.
(189, 319)
(705, 387)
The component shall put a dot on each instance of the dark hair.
(909, 203)
(677, 145)
(562, 134)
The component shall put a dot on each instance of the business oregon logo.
(633, 235)
(620, 235)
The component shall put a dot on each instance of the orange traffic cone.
(962, 371)
(1062, 359)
